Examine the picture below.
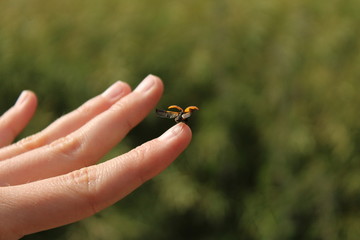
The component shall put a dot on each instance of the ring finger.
(68, 123)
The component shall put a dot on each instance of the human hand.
(48, 179)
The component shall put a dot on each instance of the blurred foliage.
(275, 152)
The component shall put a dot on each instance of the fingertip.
(159, 86)
(185, 133)
(27, 103)
(177, 138)
(33, 98)
(26, 97)
(116, 91)
(150, 82)
(187, 129)
(180, 129)
(158, 81)
(127, 87)
(16, 118)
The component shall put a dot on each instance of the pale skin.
(51, 178)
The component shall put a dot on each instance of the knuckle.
(128, 124)
(68, 146)
(87, 108)
(139, 155)
(121, 109)
(83, 183)
(119, 106)
(32, 142)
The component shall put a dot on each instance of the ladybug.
(179, 116)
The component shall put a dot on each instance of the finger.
(67, 198)
(16, 118)
(86, 145)
(69, 122)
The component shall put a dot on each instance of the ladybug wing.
(166, 114)
(186, 115)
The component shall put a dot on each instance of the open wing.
(166, 114)
(191, 109)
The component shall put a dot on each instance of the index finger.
(67, 198)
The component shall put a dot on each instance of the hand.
(48, 179)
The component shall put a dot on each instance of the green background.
(275, 151)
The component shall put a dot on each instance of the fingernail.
(172, 132)
(146, 84)
(114, 92)
(22, 98)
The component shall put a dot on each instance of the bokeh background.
(276, 146)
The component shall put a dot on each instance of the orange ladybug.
(179, 116)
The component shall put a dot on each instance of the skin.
(51, 178)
